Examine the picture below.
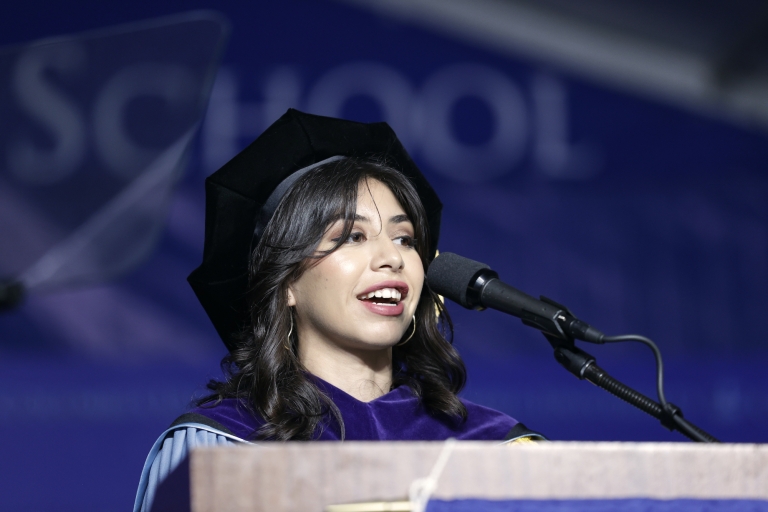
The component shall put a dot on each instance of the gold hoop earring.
(288, 344)
(409, 337)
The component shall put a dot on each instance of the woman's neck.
(366, 375)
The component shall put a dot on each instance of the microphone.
(475, 286)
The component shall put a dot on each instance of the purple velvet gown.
(395, 416)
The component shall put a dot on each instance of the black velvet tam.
(236, 194)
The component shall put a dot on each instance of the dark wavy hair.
(265, 373)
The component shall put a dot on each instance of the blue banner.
(640, 214)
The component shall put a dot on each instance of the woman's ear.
(291, 298)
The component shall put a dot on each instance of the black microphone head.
(452, 276)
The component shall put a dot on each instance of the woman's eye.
(355, 238)
(406, 241)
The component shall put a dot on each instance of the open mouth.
(383, 297)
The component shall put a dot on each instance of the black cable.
(657, 355)
(672, 412)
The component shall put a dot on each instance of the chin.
(378, 342)
(378, 334)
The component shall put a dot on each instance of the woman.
(334, 334)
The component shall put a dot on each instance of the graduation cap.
(248, 188)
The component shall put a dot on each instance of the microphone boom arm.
(584, 366)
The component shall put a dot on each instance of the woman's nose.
(387, 254)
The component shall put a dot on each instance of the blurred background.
(609, 155)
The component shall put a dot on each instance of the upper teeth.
(385, 293)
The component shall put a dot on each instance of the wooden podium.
(306, 477)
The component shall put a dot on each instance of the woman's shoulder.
(170, 449)
(230, 415)
(223, 422)
(484, 423)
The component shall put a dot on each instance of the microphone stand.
(584, 366)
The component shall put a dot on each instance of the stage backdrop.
(641, 216)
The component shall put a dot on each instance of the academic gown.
(395, 416)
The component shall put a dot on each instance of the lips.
(385, 298)
(396, 285)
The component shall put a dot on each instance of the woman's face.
(363, 295)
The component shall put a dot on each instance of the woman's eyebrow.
(398, 219)
(357, 218)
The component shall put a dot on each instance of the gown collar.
(395, 416)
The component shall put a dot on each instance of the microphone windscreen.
(450, 275)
